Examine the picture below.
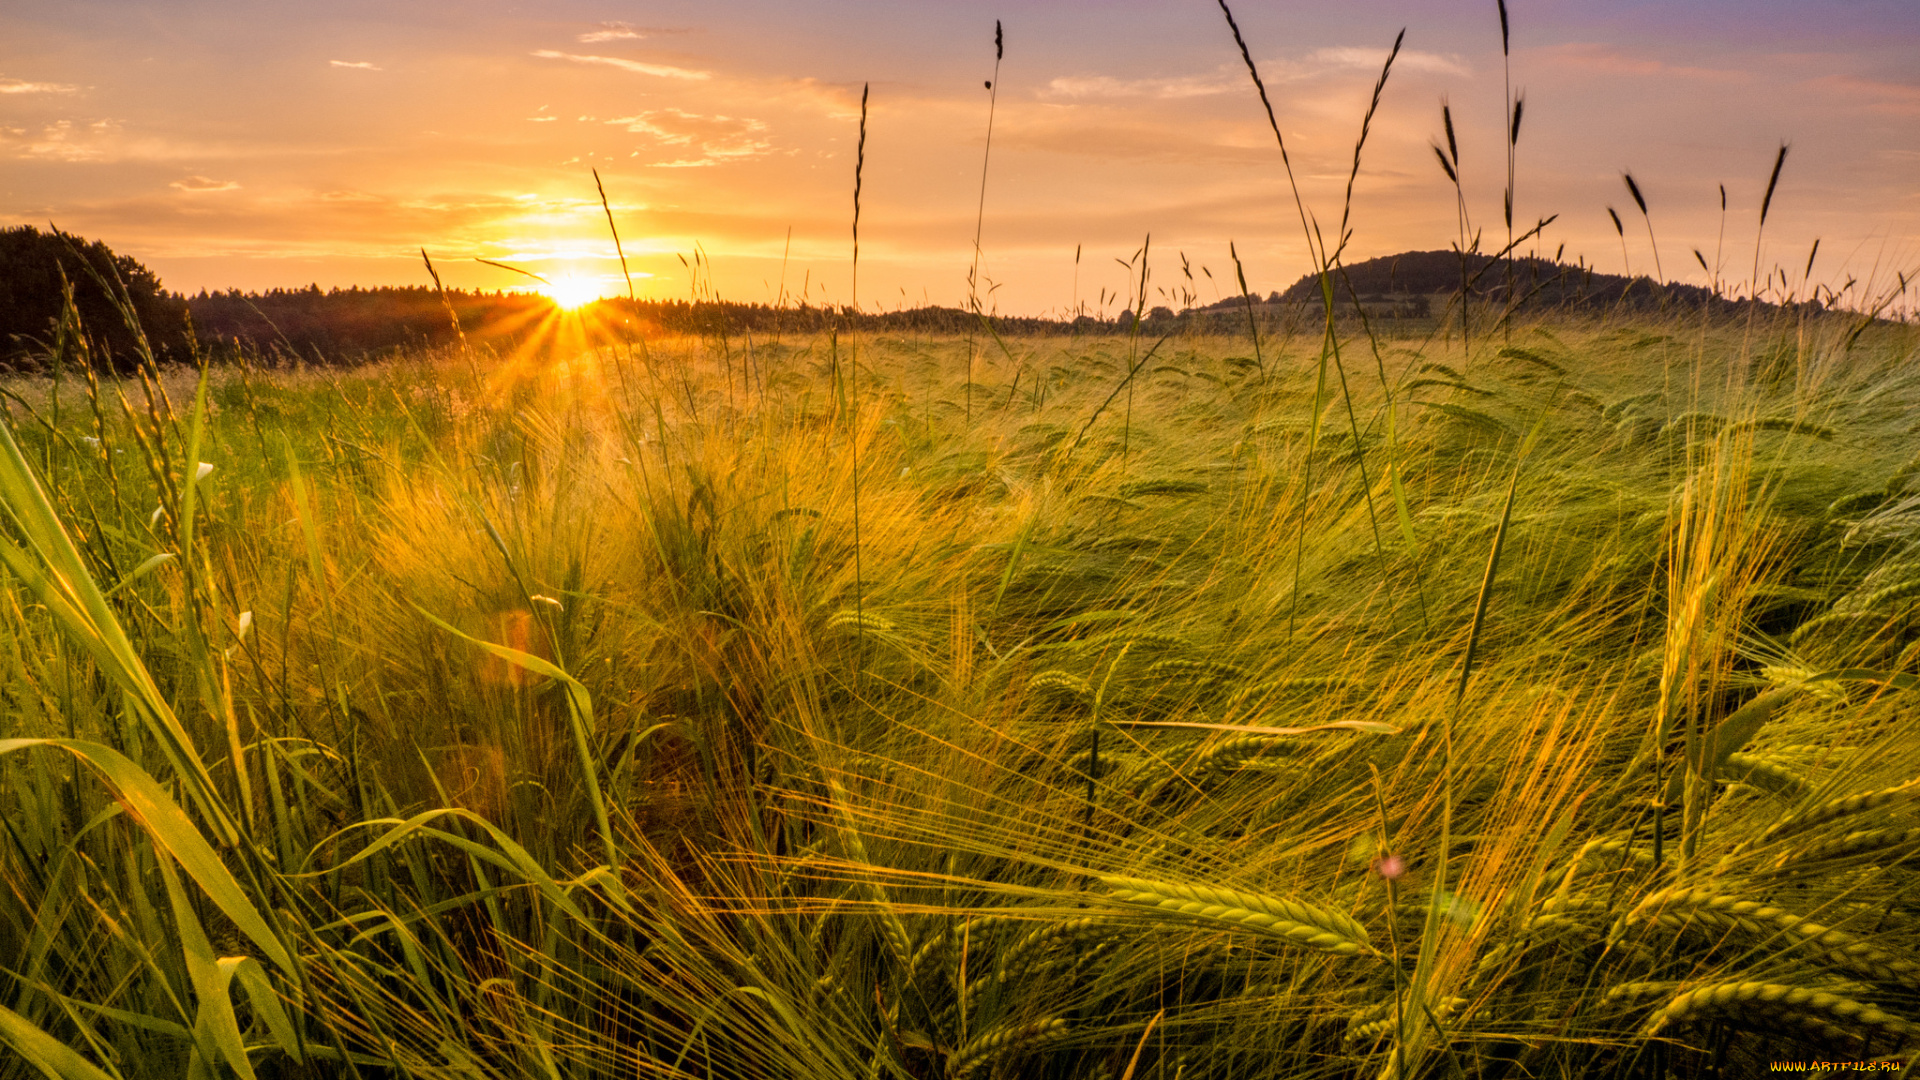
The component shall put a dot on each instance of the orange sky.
(273, 144)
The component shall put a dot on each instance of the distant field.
(1145, 707)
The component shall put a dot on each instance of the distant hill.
(1536, 283)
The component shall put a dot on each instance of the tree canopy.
(36, 268)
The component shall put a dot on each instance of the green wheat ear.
(1289, 920)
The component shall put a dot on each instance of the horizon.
(1261, 298)
(280, 147)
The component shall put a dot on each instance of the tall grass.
(654, 820)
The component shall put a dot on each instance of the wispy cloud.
(664, 71)
(201, 183)
(718, 138)
(1127, 135)
(835, 100)
(1607, 60)
(1106, 86)
(22, 86)
(60, 141)
(1901, 99)
(610, 31)
(1233, 80)
(361, 65)
(1352, 56)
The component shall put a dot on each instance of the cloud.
(1233, 80)
(1350, 56)
(840, 101)
(60, 141)
(1872, 94)
(1124, 135)
(1591, 56)
(1106, 86)
(201, 183)
(718, 138)
(102, 141)
(22, 86)
(361, 65)
(610, 31)
(663, 71)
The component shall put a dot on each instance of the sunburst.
(571, 293)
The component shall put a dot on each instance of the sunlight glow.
(571, 292)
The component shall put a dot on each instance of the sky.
(272, 144)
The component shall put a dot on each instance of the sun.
(571, 292)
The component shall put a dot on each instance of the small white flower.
(245, 624)
(203, 470)
(90, 441)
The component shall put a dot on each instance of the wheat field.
(1140, 708)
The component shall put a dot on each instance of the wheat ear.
(1063, 682)
(1765, 772)
(1015, 955)
(1676, 907)
(1289, 920)
(1770, 1002)
(1899, 843)
(1001, 1042)
(1362, 1030)
(1847, 806)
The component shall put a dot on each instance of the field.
(1141, 708)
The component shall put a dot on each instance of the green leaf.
(579, 712)
(152, 563)
(46, 561)
(510, 856)
(216, 1030)
(173, 832)
(44, 1052)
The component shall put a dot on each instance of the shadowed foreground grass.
(1551, 715)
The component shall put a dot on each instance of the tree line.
(47, 277)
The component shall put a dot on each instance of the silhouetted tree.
(31, 297)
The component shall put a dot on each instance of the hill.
(1536, 283)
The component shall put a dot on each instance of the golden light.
(571, 292)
